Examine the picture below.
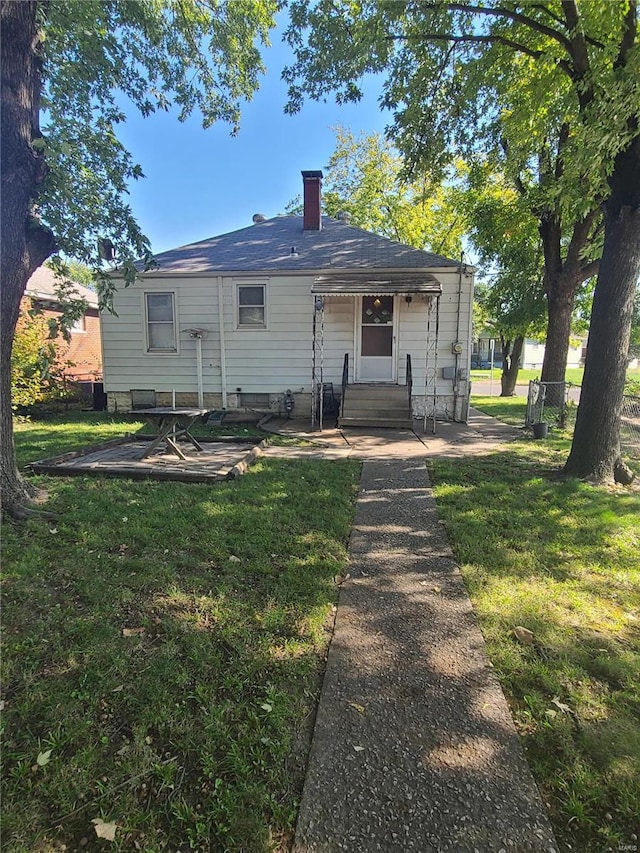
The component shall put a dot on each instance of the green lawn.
(562, 559)
(163, 645)
(572, 374)
(43, 437)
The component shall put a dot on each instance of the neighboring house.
(295, 304)
(83, 352)
(532, 353)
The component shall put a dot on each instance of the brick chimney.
(312, 184)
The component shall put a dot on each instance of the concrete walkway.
(414, 748)
(482, 434)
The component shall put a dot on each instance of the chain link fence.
(550, 402)
(630, 427)
(547, 401)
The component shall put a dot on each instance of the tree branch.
(514, 45)
(563, 138)
(578, 52)
(595, 42)
(628, 35)
(499, 12)
(589, 269)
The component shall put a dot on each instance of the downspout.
(223, 346)
(199, 370)
(469, 334)
(457, 347)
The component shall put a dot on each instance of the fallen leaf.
(359, 708)
(358, 748)
(266, 706)
(148, 739)
(120, 687)
(234, 559)
(104, 830)
(53, 530)
(44, 758)
(132, 632)
(565, 708)
(340, 579)
(551, 713)
(524, 635)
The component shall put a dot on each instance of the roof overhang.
(368, 284)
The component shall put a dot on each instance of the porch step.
(376, 406)
(377, 423)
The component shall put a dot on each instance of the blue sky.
(204, 182)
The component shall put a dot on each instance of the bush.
(37, 369)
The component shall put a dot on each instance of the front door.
(375, 340)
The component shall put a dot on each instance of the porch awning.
(374, 284)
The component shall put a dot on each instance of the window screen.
(161, 332)
(251, 305)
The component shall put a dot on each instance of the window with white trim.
(79, 324)
(161, 327)
(252, 312)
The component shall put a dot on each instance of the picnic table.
(171, 424)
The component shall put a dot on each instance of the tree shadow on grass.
(559, 557)
(166, 644)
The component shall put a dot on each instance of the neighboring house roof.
(281, 244)
(42, 285)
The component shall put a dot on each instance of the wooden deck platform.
(122, 458)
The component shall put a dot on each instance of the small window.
(161, 331)
(251, 306)
(80, 325)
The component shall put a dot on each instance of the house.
(532, 352)
(83, 352)
(272, 317)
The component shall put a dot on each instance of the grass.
(163, 645)
(572, 374)
(510, 410)
(562, 559)
(43, 437)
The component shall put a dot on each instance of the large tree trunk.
(596, 440)
(24, 243)
(562, 278)
(556, 350)
(511, 354)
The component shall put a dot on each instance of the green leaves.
(196, 57)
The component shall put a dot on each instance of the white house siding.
(128, 365)
(339, 333)
(269, 361)
(533, 355)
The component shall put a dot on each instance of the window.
(161, 331)
(251, 306)
(79, 325)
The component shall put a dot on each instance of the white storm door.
(375, 339)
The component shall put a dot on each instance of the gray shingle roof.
(267, 246)
(42, 285)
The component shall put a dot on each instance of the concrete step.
(366, 403)
(353, 411)
(376, 392)
(377, 423)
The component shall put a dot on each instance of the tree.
(64, 65)
(556, 86)
(504, 234)
(364, 180)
